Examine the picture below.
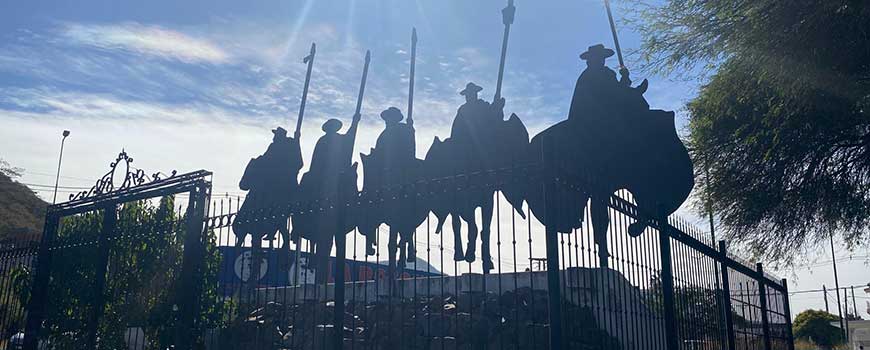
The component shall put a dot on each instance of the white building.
(859, 335)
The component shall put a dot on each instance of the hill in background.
(21, 211)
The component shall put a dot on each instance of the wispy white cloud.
(148, 40)
(164, 100)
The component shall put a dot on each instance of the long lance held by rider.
(507, 17)
(613, 31)
(362, 88)
(310, 60)
(411, 81)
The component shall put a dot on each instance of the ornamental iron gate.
(117, 263)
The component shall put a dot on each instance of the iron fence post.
(110, 218)
(39, 293)
(762, 296)
(189, 282)
(555, 297)
(668, 284)
(340, 252)
(726, 297)
(787, 312)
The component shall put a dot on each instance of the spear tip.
(507, 13)
(414, 34)
(368, 55)
(313, 47)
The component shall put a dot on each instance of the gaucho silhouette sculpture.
(270, 180)
(390, 172)
(329, 184)
(481, 142)
(611, 141)
(388, 196)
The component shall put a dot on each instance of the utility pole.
(825, 291)
(846, 307)
(837, 286)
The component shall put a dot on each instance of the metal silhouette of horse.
(611, 141)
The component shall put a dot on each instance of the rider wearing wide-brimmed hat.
(597, 86)
(397, 139)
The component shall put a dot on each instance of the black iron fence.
(666, 288)
(157, 275)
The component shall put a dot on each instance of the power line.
(822, 290)
(28, 172)
(840, 259)
(52, 186)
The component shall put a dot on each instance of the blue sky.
(198, 84)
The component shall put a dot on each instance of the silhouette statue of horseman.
(390, 172)
(328, 191)
(611, 141)
(270, 180)
(480, 143)
(329, 184)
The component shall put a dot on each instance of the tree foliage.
(21, 211)
(142, 278)
(696, 305)
(9, 170)
(783, 123)
(815, 326)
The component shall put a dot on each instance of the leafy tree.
(697, 309)
(21, 211)
(815, 326)
(783, 124)
(142, 278)
(9, 170)
(15, 284)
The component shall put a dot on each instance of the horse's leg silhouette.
(456, 222)
(636, 229)
(321, 255)
(486, 216)
(284, 259)
(471, 248)
(400, 261)
(403, 250)
(285, 235)
(240, 238)
(600, 222)
(406, 241)
(392, 247)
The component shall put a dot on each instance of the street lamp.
(60, 158)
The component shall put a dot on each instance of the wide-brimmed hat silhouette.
(332, 125)
(279, 131)
(470, 88)
(392, 114)
(596, 51)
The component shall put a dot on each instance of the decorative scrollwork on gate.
(132, 177)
